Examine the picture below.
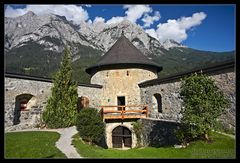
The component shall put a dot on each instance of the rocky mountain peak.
(125, 23)
(53, 31)
(169, 43)
(49, 30)
(110, 33)
(30, 13)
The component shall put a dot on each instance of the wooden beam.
(112, 111)
(125, 117)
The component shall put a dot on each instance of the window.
(157, 102)
(121, 102)
(127, 73)
(23, 102)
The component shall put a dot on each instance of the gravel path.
(64, 143)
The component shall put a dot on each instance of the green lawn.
(32, 144)
(221, 147)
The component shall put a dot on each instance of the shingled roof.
(123, 52)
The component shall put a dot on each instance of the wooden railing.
(124, 112)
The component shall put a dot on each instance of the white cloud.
(149, 20)
(88, 5)
(171, 30)
(71, 12)
(99, 19)
(114, 20)
(89, 22)
(152, 33)
(176, 29)
(11, 12)
(196, 19)
(134, 12)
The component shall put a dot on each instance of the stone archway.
(157, 102)
(121, 137)
(23, 102)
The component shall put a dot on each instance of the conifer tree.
(61, 108)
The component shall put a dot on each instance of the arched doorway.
(23, 102)
(157, 102)
(121, 137)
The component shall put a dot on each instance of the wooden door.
(121, 137)
(127, 137)
(117, 137)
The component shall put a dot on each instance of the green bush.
(138, 129)
(90, 125)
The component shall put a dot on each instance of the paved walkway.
(64, 143)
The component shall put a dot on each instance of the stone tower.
(120, 71)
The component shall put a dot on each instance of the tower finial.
(122, 33)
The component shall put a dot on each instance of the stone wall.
(121, 82)
(93, 94)
(227, 83)
(40, 91)
(172, 104)
(15, 87)
(158, 133)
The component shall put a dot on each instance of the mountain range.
(33, 45)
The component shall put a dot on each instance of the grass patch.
(32, 144)
(221, 147)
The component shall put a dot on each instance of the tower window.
(127, 73)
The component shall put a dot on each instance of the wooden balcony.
(124, 112)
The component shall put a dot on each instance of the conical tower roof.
(123, 52)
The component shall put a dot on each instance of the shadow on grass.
(50, 156)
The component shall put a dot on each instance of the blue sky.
(204, 27)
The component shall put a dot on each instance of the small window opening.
(157, 102)
(127, 73)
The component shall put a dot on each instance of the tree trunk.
(206, 136)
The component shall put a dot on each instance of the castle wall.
(172, 104)
(121, 82)
(118, 82)
(15, 87)
(40, 91)
(93, 94)
(158, 133)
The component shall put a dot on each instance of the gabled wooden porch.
(124, 111)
